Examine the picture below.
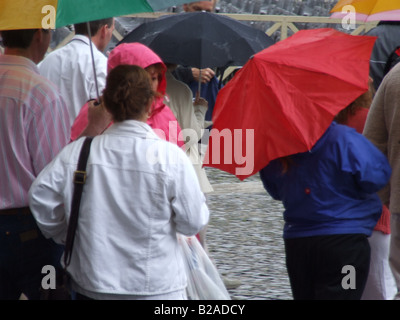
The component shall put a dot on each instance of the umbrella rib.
(309, 69)
(296, 131)
(289, 124)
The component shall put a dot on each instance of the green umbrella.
(35, 14)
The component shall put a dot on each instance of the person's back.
(23, 96)
(135, 199)
(71, 68)
(331, 189)
(381, 127)
(331, 208)
(388, 33)
(132, 174)
(68, 68)
(34, 127)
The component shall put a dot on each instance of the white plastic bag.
(204, 281)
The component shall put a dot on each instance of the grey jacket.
(382, 129)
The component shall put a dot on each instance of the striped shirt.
(34, 127)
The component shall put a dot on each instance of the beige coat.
(191, 120)
(382, 128)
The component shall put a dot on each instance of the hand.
(199, 101)
(206, 74)
(98, 118)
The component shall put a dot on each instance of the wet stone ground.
(244, 237)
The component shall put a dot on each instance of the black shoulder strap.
(79, 181)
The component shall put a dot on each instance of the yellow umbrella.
(368, 10)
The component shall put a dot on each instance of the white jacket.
(140, 191)
(71, 69)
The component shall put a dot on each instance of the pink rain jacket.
(162, 120)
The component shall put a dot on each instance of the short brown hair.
(128, 92)
(363, 101)
(95, 26)
(21, 39)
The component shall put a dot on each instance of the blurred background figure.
(388, 33)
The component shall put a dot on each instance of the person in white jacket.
(139, 193)
(70, 67)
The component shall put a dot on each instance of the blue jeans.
(23, 253)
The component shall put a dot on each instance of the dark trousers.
(333, 267)
(23, 253)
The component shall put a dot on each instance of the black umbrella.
(200, 39)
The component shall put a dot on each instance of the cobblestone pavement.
(244, 237)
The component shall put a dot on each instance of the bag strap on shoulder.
(79, 181)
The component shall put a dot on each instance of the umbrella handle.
(199, 86)
(93, 64)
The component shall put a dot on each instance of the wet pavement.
(244, 237)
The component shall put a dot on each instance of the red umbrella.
(285, 97)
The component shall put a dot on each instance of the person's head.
(128, 94)
(208, 6)
(100, 30)
(155, 71)
(363, 101)
(142, 56)
(30, 43)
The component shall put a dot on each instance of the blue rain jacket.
(332, 188)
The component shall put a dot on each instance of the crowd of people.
(340, 198)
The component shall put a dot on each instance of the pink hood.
(137, 54)
(162, 120)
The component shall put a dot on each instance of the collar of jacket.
(132, 127)
(80, 38)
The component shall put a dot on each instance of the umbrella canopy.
(36, 14)
(200, 39)
(285, 97)
(369, 10)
